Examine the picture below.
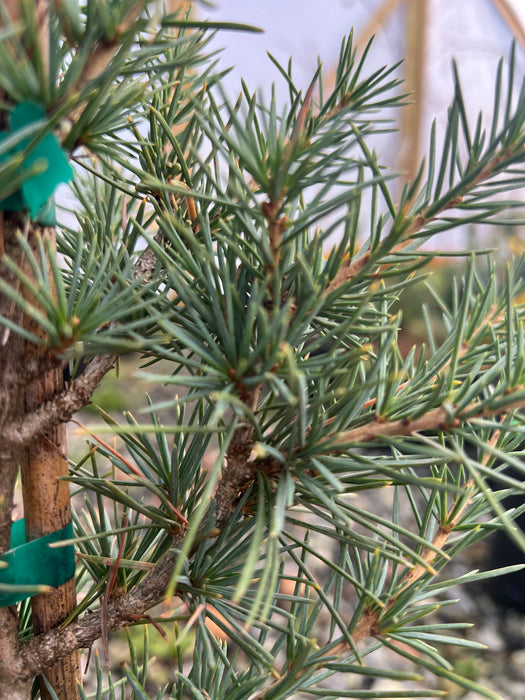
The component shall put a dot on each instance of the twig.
(347, 273)
(113, 570)
(436, 419)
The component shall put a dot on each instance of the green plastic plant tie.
(45, 166)
(28, 566)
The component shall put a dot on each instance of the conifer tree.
(201, 238)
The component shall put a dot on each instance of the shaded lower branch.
(40, 651)
(60, 642)
(368, 625)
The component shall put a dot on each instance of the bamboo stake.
(416, 35)
(378, 20)
(46, 510)
(511, 18)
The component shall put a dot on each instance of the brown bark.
(411, 119)
(60, 407)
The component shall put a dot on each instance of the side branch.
(410, 224)
(436, 419)
(61, 407)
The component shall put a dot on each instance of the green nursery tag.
(47, 158)
(31, 564)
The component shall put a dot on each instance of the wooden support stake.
(415, 65)
(47, 509)
(511, 19)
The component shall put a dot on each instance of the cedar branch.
(413, 223)
(436, 419)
